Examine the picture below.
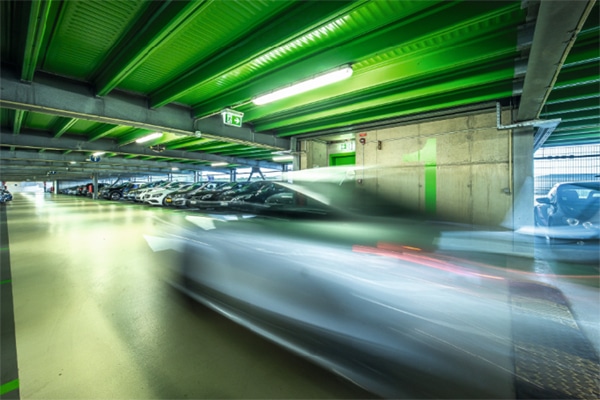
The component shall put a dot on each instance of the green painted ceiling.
(195, 58)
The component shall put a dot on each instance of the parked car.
(244, 188)
(569, 213)
(89, 192)
(5, 196)
(181, 199)
(116, 192)
(368, 297)
(209, 199)
(261, 197)
(130, 196)
(192, 198)
(181, 193)
(156, 196)
(139, 194)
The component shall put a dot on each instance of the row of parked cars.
(248, 195)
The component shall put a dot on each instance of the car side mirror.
(543, 200)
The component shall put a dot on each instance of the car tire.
(115, 196)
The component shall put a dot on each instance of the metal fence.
(565, 164)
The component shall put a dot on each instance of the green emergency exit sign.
(232, 117)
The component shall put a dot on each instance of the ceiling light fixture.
(99, 153)
(284, 158)
(149, 137)
(218, 164)
(306, 85)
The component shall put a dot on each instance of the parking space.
(95, 316)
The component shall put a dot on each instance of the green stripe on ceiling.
(263, 46)
(85, 32)
(207, 36)
(38, 19)
(468, 90)
(436, 102)
(480, 17)
(464, 59)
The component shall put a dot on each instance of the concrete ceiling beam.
(55, 96)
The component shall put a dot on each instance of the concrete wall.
(458, 168)
(26, 187)
(315, 155)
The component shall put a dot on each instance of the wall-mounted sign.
(232, 117)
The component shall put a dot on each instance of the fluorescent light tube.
(218, 164)
(149, 137)
(306, 85)
(99, 153)
(283, 158)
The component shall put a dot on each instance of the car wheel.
(115, 196)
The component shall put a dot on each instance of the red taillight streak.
(418, 259)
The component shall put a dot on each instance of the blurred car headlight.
(572, 221)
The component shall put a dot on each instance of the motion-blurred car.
(570, 213)
(360, 286)
(5, 196)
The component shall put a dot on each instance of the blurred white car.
(361, 287)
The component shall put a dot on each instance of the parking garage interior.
(441, 109)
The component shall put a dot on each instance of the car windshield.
(574, 192)
(579, 200)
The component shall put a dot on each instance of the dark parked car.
(5, 196)
(116, 192)
(181, 199)
(265, 195)
(181, 193)
(194, 199)
(570, 213)
(245, 188)
(88, 190)
(221, 196)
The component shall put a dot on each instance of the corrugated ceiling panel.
(39, 121)
(218, 24)
(369, 16)
(86, 32)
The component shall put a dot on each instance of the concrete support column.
(95, 183)
(521, 165)
(295, 146)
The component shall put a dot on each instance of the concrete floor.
(96, 318)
